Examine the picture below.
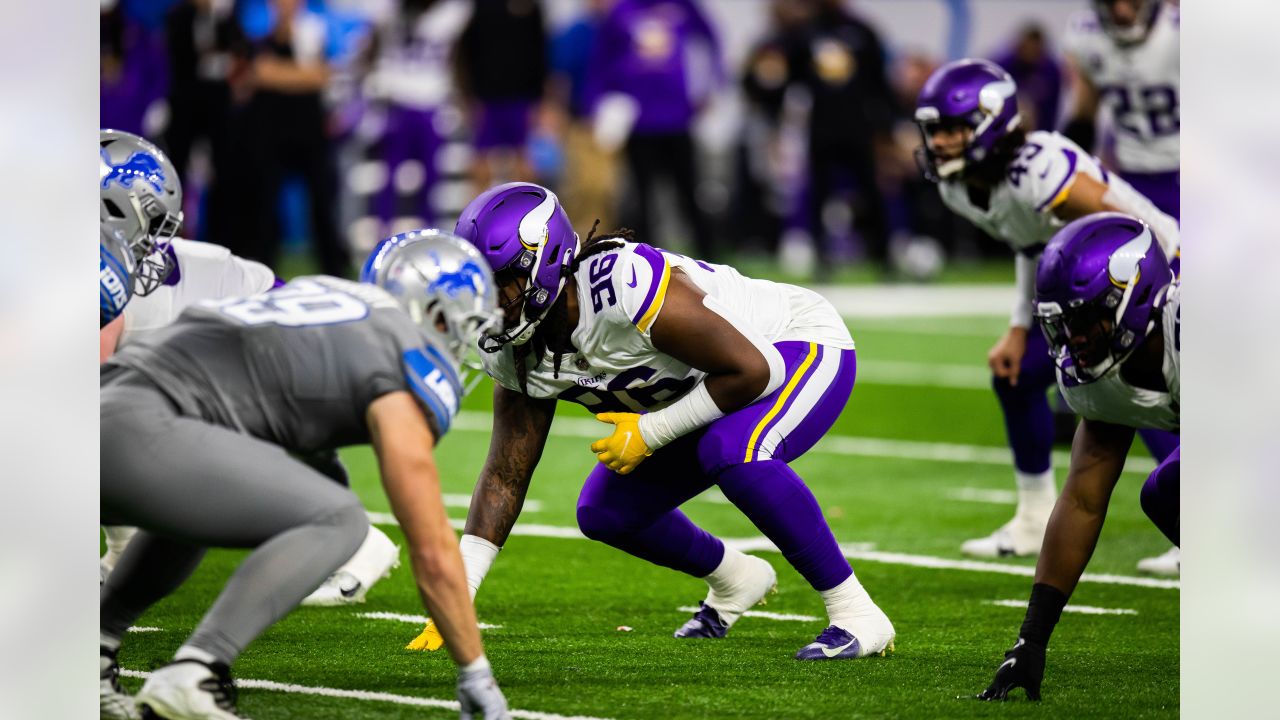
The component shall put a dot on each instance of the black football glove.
(1023, 667)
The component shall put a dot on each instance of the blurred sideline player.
(1109, 305)
(202, 427)
(1124, 55)
(1019, 187)
(141, 199)
(735, 378)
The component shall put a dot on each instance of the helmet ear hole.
(112, 208)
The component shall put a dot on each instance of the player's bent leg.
(1161, 501)
(1029, 426)
(377, 557)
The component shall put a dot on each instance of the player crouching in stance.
(202, 426)
(708, 378)
(1110, 309)
(1021, 188)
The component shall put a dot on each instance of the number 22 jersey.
(621, 293)
(297, 366)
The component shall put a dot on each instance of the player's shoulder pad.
(638, 276)
(198, 251)
(433, 379)
(372, 295)
(1044, 170)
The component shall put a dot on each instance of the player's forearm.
(438, 570)
(1069, 542)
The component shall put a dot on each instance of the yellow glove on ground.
(429, 639)
(622, 451)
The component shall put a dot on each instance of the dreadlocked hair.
(554, 331)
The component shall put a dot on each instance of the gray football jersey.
(297, 366)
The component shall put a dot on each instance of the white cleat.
(1169, 564)
(114, 702)
(348, 585)
(1019, 537)
(189, 690)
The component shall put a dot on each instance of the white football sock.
(725, 582)
(1037, 492)
(846, 601)
(191, 652)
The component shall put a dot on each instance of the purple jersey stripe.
(658, 265)
(791, 400)
(1071, 174)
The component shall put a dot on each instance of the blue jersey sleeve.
(432, 378)
(114, 286)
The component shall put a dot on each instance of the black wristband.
(1082, 131)
(1043, 610)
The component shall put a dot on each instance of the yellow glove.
(429, 639)
(622, 451)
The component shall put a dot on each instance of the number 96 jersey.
(1138, 85)
(620, 295)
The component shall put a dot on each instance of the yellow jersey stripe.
(782, 400)
(651, 314)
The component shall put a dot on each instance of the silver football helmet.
(444, 283)
(141, 201)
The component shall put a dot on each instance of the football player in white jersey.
(1109, 306)
(139, 182)
(1019, 187)
(707, 378)
(1123, 56)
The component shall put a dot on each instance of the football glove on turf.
(429, 639)
(626, 448)
(1023, 667)
(480, 697)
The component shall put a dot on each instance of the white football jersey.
(203, 271)
(1019, 209)
(1137, 86)
(1111, 399)
(413, 65)
(620, 294)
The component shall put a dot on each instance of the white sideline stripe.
(853, 551)
(983, 495)
(1082, 609)
(933, 301)
(476, 421)
(762, 614)
(145, 629)
(458, 500)
(368, 695)
(415, 619)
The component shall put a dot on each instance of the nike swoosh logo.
(625, 443)
(1007, 663)
(633, 278)
(829, 652)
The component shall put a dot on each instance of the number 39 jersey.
(1020, 209)
(620, 295)
(297, 366)
(1138, 85)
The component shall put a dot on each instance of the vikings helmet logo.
(139, 166)
(469, 277)
(1122, 268)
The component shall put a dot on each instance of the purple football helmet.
(523, 232)
(1099, 288)
(974, 94)
(1144, 12)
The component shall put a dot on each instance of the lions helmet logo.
(139, 166)
(469, 277)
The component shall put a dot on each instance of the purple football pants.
(1163, 189)
(1161, 496)
(1028, 419)
(410, 135)
(745, 453)
(503, 124)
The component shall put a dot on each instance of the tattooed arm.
(520, 427)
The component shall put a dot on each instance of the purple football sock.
(1161, 495)
(779, 503)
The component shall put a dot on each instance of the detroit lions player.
(1019, 187)
(201, 426)
(1124, 56)
(115, 277)
(1109, 306)
(722, 379)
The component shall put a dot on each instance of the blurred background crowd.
(775, 129)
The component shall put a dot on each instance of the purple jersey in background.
(649, 49)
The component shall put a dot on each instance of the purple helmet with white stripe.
(975, 94)
(1100, 285)
(525, 235)
(1132, 25)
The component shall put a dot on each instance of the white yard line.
(369, 696)
(1082, 609)
(853, 551)
(476, 421)
(982, 495)
(762, 614)
(145, 629)
(412, 619)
